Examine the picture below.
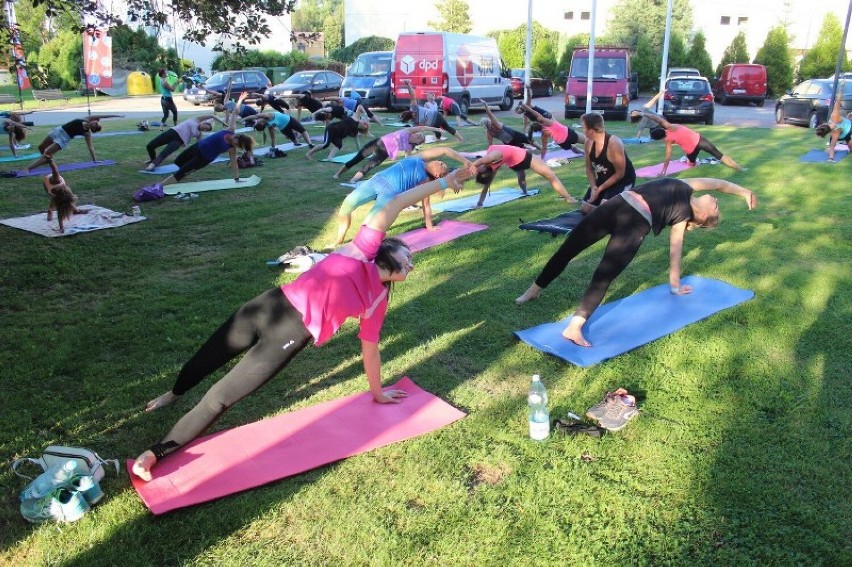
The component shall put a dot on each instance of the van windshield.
(612, 68)
(371, 65)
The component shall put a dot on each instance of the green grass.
(741, 455)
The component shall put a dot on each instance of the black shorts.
(525, 164)
(570, 140)
(518, 139)
(293, 126)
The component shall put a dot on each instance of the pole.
(528, 55)
(665, 63)
(839, 67)
(590, 74)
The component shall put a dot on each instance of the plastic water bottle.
(46, 482)
(136, 211)
(539, 417)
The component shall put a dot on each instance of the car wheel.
(506, 103)
(550, 90)
(812, 120)
(761, 102)
(779, 114)
(464, 106)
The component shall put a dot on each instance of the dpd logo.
(427, 65)
(406, 64)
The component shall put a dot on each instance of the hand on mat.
(682, 289)
(391, 396)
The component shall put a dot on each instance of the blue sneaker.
(88, 487)
(63, 505)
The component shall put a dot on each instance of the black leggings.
(441, 122)
(170, 139)
(291, 128)
(375, 150)
(168, 104)
(627, 229)
(705, 145)
(189, 160)
(269, 330)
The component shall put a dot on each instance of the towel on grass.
(96, 218)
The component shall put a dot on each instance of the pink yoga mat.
(271, 449)
(654, 170)
(445, 231)
(562, 154)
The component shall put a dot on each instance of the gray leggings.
(269, 330)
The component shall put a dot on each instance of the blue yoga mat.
(21, 157)
(341, 159)
(642, 140)
(469, 203)
(621, 326)
(116, 133)
(821, 156)
(172, 168)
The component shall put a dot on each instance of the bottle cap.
(536, 377)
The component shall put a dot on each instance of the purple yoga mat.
(445, 231)
(654, 170)
(65, 167)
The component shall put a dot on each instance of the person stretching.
(62, 200)
(518, 160)
(60, 137)
(386, 147)
(564, 136)
(338, 131)
(448, 107)
(839, 126)
(424, 117)
(353, 281)
(167, 101)
(627, 218)
(13, 124)
(608, 168)
(647, 123)
(177, 137)
(387, 184)
(690, 141)
(306, 101)
(282, 122)
(506, 135)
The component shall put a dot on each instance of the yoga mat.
(642, 140)
(469, 203)
(211, 185)
(561, 224)
(397, 124)
(654, 170)
(27, 146)
(66, 167)
(255, 454)
(263, 151)
(116, 133)
(821, 156)
(172, 168)
(341, 159)
(244, 130)
(97, 218)
(563, 154)
(445, 231)
(623, 325)
(21, 157)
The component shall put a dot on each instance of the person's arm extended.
(235, 114)
(258, 116)
(88, 137)
(427, 213)
(235, 167)
(722, 186)
(667, 159)
(54, 171)
(496, 124)
(102, 116)
(443, 151)
(654, 117)
(529, 111)
(653, 102)
(383, 219)
(490, 157)
(373, 369)
(836, 112)
(675, 254)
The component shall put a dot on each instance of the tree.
(579, 40)
(677, 52)
(333, 29)
(371, 43)
(698, 56)
(736, 52)
(455, 17)
(632, 19)
(646, 63)
(512, 44)
(821, 59)
(775, 56)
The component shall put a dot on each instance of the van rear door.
(418, 58)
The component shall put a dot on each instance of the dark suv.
(247, 80)
(688, 99)
(808, 103)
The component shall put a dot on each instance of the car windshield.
(371, 65)
(605, 68)
(688, 85)
(300, 78)
(219, 79)
(519, 72)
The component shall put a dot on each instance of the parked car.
(808, 103)
(683, 72)
(247, 80)
(369, 76)
(688, 99)
(741, 82)
(320, 82)
(540, 85)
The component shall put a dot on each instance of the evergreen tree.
(646, 63)
(677, 51)
(775, 56)
(455, 17)
(698, 56)
(332, 29)
(736, 52)
(821, 59)
(632, 19)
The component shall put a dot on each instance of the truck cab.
(613, 84)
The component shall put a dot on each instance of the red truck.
(613, 85)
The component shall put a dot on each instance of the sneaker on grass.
(62, 505)
(614, 411)
(88, 487)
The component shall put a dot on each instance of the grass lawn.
(741, 454)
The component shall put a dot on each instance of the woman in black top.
(338, 131)
(627, 218)
(608, 168)
(60, 136)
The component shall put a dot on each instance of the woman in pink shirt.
(272, 328)
(564, 136)
(690, 141)
(518, 160)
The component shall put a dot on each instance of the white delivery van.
(463, 67)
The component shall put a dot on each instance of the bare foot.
(161, 401)
(574, 331)
(143, 464)
(531, 293)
